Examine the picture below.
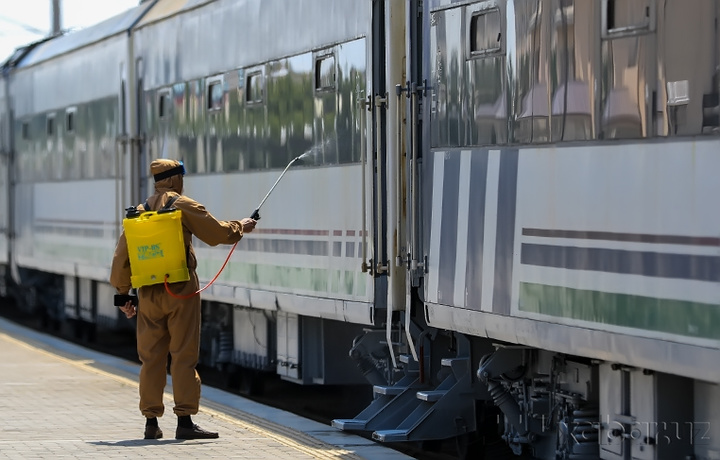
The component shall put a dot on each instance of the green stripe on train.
(318, 280)
(692, 319)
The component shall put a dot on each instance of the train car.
(565, 155)
(496, 213)
(240, 91)
(7, 146)
(68, 171)
(299, 290)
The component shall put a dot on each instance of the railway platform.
(60, 400)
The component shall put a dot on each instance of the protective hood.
(168, 175)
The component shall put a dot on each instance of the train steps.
(392, 403)
(439, 413)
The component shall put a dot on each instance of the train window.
(254, 88)
(215, 93)
(70, 120)
(325, 73)
(485, 33)
(50, 125)
(25, 130)
(163, 104)
(627, 17)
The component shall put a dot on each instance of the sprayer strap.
(167, 205)
(170, 202)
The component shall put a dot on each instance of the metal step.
(442, 412)
(431, 396)
(390, 407)
(388, 390)
(448, 362)
(390, 435)
(349, 424)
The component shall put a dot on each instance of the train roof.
(62, 44)
(166, 8)
(18, 55)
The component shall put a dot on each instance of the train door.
(139, 158)
(8, 152)
(398, 90)
(4, 183)
(130, 160)
(411, 96)
(121, 149)
(398, 101)
(377, 105)
(388, 104)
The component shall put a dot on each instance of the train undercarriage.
(538, 404)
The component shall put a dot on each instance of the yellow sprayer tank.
(156, 247)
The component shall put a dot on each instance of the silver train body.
(503, 219)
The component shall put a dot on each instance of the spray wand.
(255, 216)
(256, 213)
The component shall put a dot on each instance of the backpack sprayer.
(156, 245)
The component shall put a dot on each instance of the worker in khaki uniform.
(166, 324)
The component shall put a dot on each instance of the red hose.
(187, 296)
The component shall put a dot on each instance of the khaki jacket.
(196, 220)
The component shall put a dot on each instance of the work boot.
(194, 433)
(153, 432)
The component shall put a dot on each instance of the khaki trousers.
(167, 325)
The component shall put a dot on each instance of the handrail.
(380, 263)
(364, 104)
(413, 211)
